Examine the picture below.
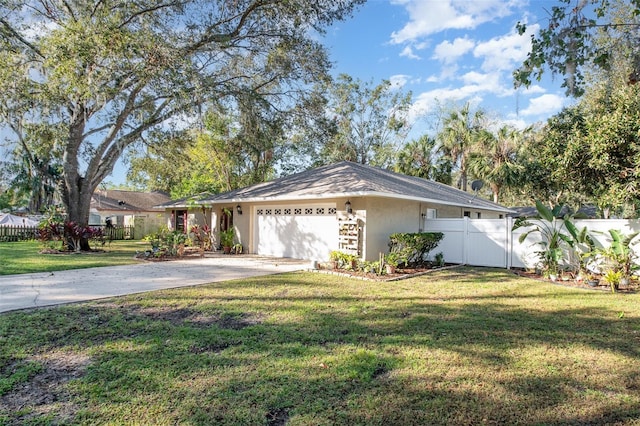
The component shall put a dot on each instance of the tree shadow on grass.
(316, 355)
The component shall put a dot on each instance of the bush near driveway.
(461, 346)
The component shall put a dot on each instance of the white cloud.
(504, 52)
(473, 67)
(427, 101)
(428, 17)
(408, 52)
(532, 90)
(448, 52)
(421, 46)
(449, 72)
(486, 83)
(516, 123)
(545, 104)
(399, 80)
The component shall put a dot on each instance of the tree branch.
(12, 32)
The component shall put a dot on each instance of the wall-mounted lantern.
(347, 206)
(239, 209)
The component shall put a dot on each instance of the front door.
(226, 219)
(180, 223)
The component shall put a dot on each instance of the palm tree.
(35, 167)
(496, 162)
(416, 158)
(420, 158)
(459, 136)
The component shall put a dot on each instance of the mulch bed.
(186, 253)
(56, 251)
(633, 287)
(399, 274)
(405, 273)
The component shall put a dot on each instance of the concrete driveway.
(53, 288)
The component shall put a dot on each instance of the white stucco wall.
(384, 217)
(242, 224)
(380, 218)
(198, 217)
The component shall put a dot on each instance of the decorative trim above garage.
(297, 210)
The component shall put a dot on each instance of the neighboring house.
(129, 208)
(344, 206)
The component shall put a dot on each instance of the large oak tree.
(370, 122)
(569, 43)
(591, 152)
(110, 71)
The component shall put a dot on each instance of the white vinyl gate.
(482, 242)
(491, 242)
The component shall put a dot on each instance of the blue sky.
(447, 51)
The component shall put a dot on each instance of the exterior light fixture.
(239, 209)
(347, 206)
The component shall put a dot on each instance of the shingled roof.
(346, 179)
(128, 201)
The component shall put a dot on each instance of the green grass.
(463, 346)
(24, 257)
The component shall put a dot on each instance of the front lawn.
(461, 346)
(24, 257)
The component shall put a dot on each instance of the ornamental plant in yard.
(67, 235)
(414, 248)
(552, 225)
(227, 237)
(166, 242)
(344, 260)
(201, 236)
(620, 256)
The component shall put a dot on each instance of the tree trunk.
(496, 192)
(76, 190)
(463, 172)
(77, 202)
(463, 180)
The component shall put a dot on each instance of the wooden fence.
(18, 233)
(22, 233)
(118, 232)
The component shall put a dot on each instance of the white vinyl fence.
(491, 242)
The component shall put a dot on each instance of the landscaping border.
(379, 278)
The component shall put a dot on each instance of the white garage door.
(296, 231)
